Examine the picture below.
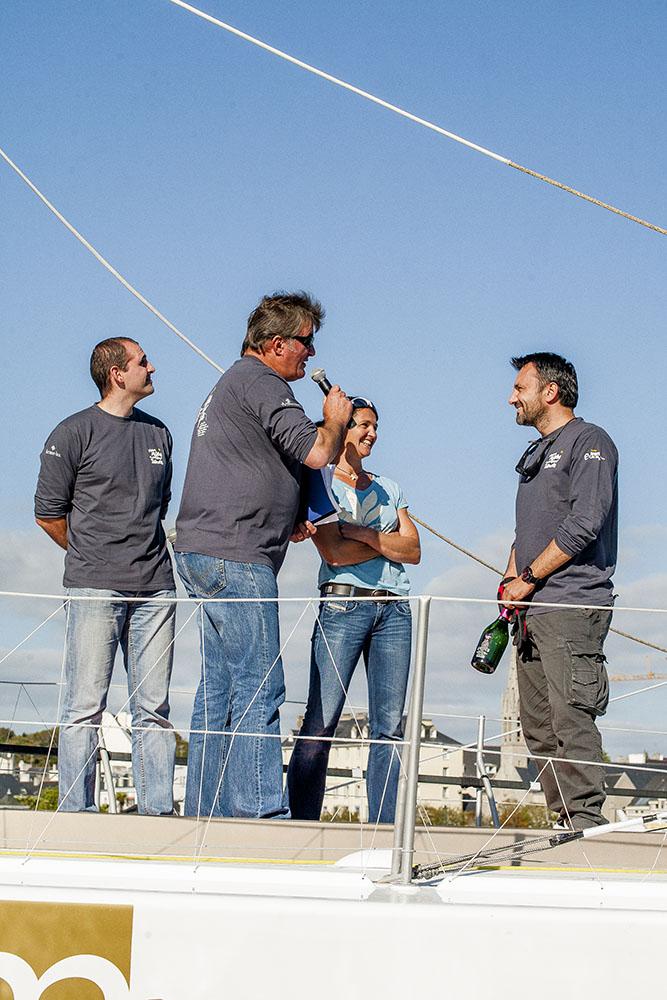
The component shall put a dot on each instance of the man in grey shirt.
(103, 490)
(238, 513)
(564, 552)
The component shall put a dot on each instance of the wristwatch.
(528, 576)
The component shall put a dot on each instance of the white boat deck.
(287, 909)
(306, 843)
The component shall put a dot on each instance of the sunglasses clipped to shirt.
(531, 461)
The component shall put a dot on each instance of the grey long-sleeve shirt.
(241, 491)
(573, 500)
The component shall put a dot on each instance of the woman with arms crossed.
(362, 556)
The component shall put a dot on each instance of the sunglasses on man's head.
(306, 341)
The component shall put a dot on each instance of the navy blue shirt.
(111, 478)
(572, 500)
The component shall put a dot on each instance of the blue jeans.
(241, 690)
(381, 632)
(145, 632)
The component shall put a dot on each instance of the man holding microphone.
(237, 516)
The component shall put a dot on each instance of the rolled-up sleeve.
(57, 474)
(593, 485)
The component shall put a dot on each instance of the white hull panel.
(255, 931)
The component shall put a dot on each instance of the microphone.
(319, 376)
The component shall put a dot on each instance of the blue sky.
(209, 172)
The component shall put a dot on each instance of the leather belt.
(347, 590)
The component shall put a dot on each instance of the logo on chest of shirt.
(553, 459)
(367, 511)
(155, 455)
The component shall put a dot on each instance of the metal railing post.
(413, 734)
(485, 781)
(98, 784)
(104, 764)
(399, 815)
(479, 764)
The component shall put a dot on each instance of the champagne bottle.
(492, 643)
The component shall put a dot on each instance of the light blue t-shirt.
(375, 507)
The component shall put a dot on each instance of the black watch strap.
(528, 576)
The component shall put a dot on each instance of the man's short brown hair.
(553, 368)
(108, 354)
(282, 314)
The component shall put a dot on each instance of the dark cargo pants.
(563, 686)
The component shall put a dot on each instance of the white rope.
(450, 749)
(131, 693)
(630, 729)
(497, 830)
(203, 751)
(612, 609)
(499, 572)
(212, 600)
(661, 846)
(14, 710)
(30, 634)
(116, 684)
(346, 697)
(370, 742)
(631, 694)
(53, 735)
(423, 815)
(105, 263)
(352, 741)
(288, 600)
(576, 760)
(236, 733)
(39, 715)
(569, 820)
(407, 114)
(338, 82)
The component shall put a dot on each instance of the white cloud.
(637, 542)
(29, 563)
(298, 576)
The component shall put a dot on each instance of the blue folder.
(318, 503)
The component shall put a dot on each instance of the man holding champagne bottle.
(564, 552)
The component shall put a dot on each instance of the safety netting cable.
(425, 123)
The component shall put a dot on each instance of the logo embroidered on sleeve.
(155, 455)
(202, 423)
(53, 451)
(290, 402)
(594, 454)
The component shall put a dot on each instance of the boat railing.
(478, 778)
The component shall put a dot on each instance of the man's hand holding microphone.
(337, 408)
(337, 413)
